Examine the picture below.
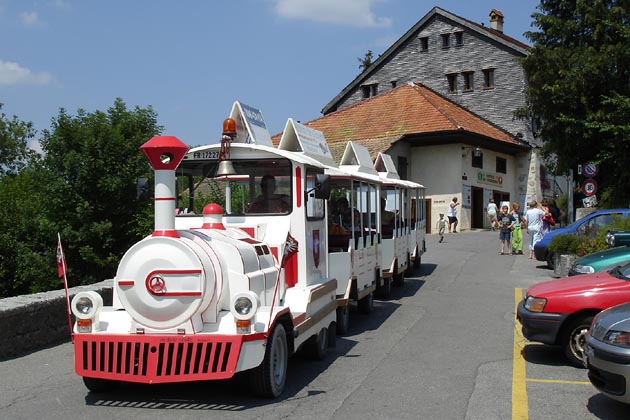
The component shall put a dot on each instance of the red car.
(559, 312)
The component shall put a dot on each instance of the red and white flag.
(290, 248)
(62, 267)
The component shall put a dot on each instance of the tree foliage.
(366, 61)
(84, 187)
(579, 93)
(14, 150)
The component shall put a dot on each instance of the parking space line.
(519, 385)
(558, 381)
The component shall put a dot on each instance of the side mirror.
(322, 186)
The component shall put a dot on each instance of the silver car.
(607, 352)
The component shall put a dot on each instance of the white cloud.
(30, 18)
(342, 12)
(13, 74)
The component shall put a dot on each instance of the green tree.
(84, 187)
(14, 150)
(579, 88)
(366, 61)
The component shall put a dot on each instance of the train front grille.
(153, 359)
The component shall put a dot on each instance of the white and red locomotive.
(237, 289)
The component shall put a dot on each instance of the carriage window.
(314, 206)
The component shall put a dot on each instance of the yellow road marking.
(519, 386)
(558, 381)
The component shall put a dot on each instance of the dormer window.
(369, 90)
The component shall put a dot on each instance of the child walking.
(517, 232)
(505, 224)
(441, 226)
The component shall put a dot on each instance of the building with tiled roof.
(441, 102)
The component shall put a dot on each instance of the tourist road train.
(258, 251)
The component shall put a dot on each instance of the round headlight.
(244, 305)
(86, 305)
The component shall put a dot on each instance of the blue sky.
(192, 59)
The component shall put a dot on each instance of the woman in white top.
(492, 214)
(534, 216)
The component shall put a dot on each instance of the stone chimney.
(496, 20)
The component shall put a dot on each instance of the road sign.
(590, 169)
(589, 187)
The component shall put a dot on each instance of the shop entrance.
(476, 208)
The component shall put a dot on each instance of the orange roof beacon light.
(225, 167)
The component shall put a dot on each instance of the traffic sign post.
(589, 187)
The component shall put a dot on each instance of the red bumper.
(156, 358)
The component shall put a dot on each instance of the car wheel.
(267, 380)
(399, 278)
(573, 339)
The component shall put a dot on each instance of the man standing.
(451, 213)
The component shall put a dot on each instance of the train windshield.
(255, 187)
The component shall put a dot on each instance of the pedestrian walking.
(492, 214)
(505, 225)
(517, 232)
(441, 225)
(533, 218)
(451, 213)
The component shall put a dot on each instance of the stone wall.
(33, 322)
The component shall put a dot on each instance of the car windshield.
(621, 272)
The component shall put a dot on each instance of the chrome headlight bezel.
(244, 305)
(87, 305)
(535, 304)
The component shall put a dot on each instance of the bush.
(577, 245)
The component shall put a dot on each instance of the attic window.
(424, 43)
(369, 90)
(452, 82)
(394, 83)
(488, 78)
(459, 39)
(468, 81)
(446, 40)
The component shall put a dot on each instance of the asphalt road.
(444, 347)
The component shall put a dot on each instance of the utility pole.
(570, 197)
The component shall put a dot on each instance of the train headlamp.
(86, 306)
(244, 305)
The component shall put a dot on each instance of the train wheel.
(97, 385)
(268, 379)
(385, 291)
(343, 319)
(317, 345)
(366, 304)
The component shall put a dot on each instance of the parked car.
(587, 225)
(559, 312)
(607, 259)
(607, 352)
(601, 261)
